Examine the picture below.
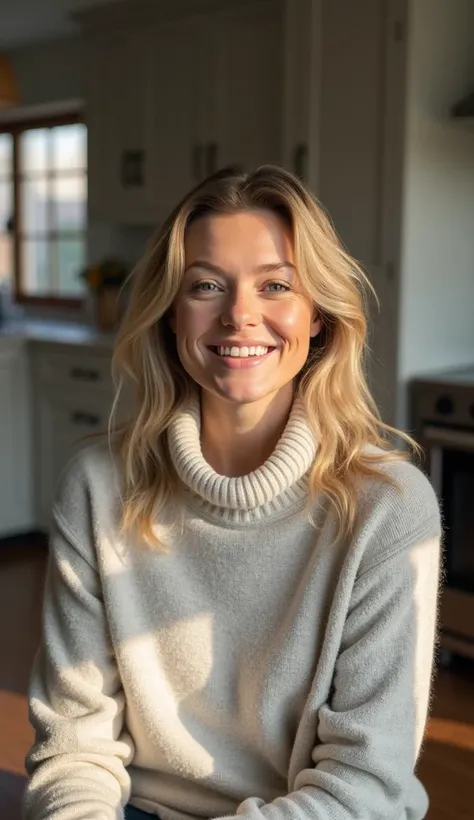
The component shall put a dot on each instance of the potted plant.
(105, 281)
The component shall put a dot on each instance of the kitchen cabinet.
(244, 117)
(16, 481)
(73, 392)
(66, 423)
(119, 116)
(169, 102)
(175, 149)
(302, 82)
(363, 64)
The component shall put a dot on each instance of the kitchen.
(354, 97)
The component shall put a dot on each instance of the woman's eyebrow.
(201, 263)
(274, 266)
(268, 267)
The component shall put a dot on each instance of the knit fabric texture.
(261, 668)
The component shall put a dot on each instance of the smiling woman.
(242, 335)
(241, 602)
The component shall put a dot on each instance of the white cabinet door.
(103, 129)
(301, 84)
(16, 480)
(73, 397)
(361, 157)
(175, 146)
(119, 114)
(248, 130)
(64, 420)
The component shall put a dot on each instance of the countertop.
(56, 332)
(462, 376)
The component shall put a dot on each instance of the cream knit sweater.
(257, 669)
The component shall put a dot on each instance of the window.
(43, 197)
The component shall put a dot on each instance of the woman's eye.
(277, 287)
(204, 287)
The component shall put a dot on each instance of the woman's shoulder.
(412, 482)
(91, 477)
(396, 509)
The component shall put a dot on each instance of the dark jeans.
(131, 813)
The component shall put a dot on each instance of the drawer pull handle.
(79, 417)
(83, 374)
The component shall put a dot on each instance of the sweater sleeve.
(370, 733)
(77, 763)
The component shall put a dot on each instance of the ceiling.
(26, 21)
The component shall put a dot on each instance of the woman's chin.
(244, 394)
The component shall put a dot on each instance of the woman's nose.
(241, 309)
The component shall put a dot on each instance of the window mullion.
(18, 256)
(51, 232)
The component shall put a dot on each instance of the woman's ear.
(316, 324)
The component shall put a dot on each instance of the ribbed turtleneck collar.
(279, 486)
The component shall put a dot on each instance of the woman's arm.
(77, 764)
(371, 731)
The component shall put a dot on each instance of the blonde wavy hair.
(339, 406)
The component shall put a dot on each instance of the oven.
(443, 422)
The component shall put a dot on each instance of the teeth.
(242, 352)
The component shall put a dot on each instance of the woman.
(241, 600)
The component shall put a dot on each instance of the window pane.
(6, 154)
(6, 258)
(33, 150)
(69, 195)
(6, 242)
(69, 147)
(36, 267)
(6, 203)
(71, 260)
(34, 203)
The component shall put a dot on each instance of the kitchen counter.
(56, 389)
(48, 331)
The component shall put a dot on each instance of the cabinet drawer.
(74, 371)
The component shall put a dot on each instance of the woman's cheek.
(294, 317)
(191, 319)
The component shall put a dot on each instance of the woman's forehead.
(258, 233)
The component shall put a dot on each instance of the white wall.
(437, 285)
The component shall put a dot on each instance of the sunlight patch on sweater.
(425, 564)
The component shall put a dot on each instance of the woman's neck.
(236, 439)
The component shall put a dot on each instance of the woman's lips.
(241, 363)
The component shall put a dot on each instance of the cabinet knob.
(90, 419)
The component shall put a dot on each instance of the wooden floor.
(447, 763)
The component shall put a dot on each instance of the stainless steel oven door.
(436, 440)
(451, 468)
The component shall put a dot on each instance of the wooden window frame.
(16, 128)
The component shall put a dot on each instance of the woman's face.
(242, 319)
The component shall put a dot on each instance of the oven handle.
(443, 437)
